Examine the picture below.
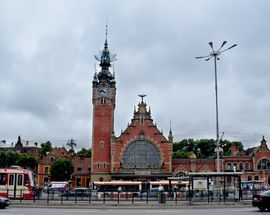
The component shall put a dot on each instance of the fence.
(176, 197)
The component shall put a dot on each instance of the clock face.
(103, 91)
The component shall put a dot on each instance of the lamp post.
(215, 54)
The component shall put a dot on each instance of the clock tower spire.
(103, 100)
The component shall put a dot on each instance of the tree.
(27, 160)
(45, 147)
(24, 160)
(61, 170)
(203, 148)
(84, 153)
(226, 145)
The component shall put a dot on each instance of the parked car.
(79, 192)
(262, 201)
(4, 202)
(152, 193)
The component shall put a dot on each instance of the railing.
(118, 197)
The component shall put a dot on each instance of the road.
(185, 211)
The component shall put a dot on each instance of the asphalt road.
(133, 211)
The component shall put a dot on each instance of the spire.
(263, 144)
(106, 35)
(105, 58)
(170, 137)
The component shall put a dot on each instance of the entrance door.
(15, 185)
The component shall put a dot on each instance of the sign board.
(200, 184)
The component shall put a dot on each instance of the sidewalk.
(128, 204)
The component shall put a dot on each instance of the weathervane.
(142, 96)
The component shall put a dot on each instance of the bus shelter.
(212, 186)
(215, 186)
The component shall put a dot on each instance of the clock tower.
(103, 99)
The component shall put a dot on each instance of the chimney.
(234, 149)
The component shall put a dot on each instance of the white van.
(57, 186)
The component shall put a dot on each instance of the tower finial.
(106, 34)
(95, 67)
(170, 132)
(142, 96)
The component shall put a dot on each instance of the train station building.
(142, 152)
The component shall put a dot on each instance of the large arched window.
(141, 154)
(263, 164)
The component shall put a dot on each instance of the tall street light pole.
(215, 54)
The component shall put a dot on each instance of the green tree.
(84, 153)
(203, 148)
(24, 160)
(226, 145)
(27, 160)
(3, 159)
(45, 147)
(61, 170)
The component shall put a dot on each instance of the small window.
(246, 166)
(89, 169)
(26, 180)
(11, 179)
(256, 178)
(19, 180)
(2, 179)
(46, 170)
(241, 166)
(79, 168)
(235, 167)
(249, 178)
(104, 165)
(229, 166)
(101, 144)
(98, 165)
(103, 101)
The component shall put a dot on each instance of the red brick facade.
(141, 129)
(254, 163)
(110, 154)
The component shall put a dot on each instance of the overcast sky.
(47, 67)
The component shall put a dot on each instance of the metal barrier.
(175, 197)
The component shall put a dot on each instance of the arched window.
(249, 178)
(246, 166)
(141, 154)
(101, 144)
(263, 164)
(235, 167)
(229, 167)
(241, 166)
(256, 178)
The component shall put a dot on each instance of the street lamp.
(215, 54)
